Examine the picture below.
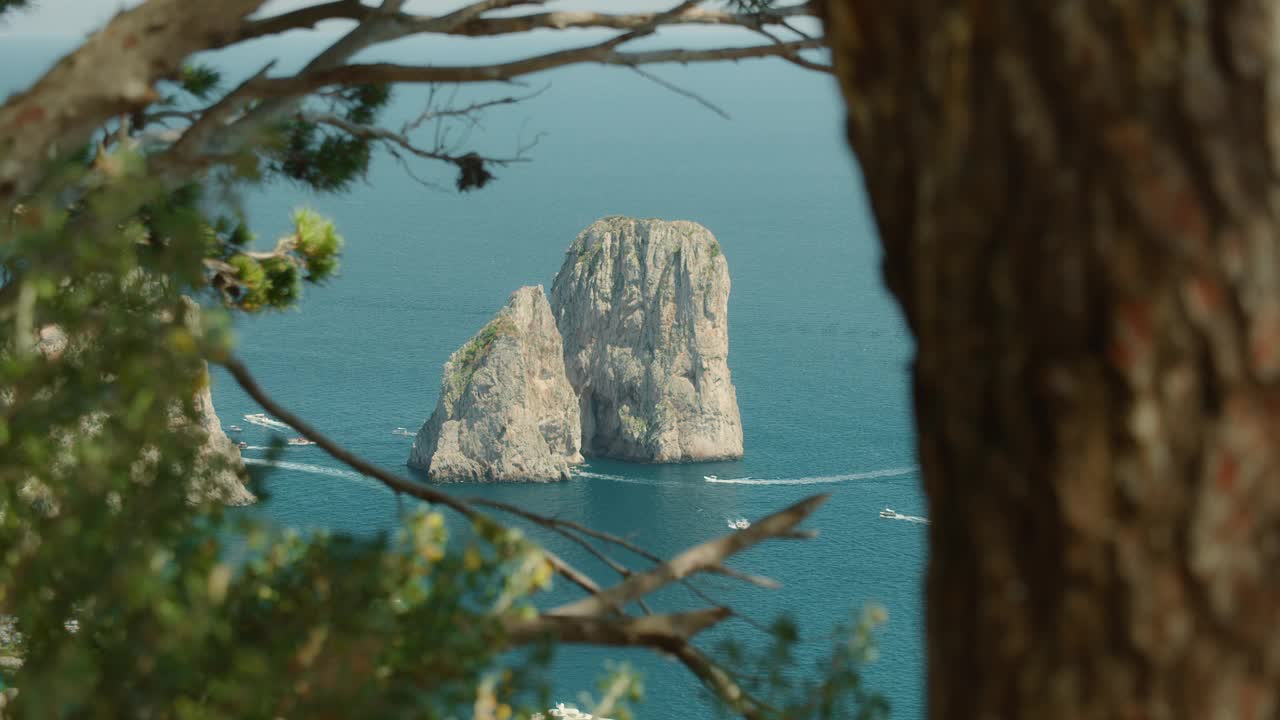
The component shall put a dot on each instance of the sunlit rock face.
(642, 306)
(219, 458)
(506, 411)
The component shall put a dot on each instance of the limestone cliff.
(506, 410)
(642, 306)
(220, 456)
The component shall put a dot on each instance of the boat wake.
(908, 518)
(602, 476)
(255, 447)
(262, 420)
(815, 480)
(314, 469)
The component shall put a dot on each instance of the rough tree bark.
(1078, 202)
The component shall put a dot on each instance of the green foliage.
(329, 160)
(363, 103)
(178, 611)
(833, 690)
(254, 281)
(283, 284)
(201, 81)
(637, 429)
(326, 162)
(318, 243)
(588, 254)
(753, 6)
(466, 360)
(100, 447)
(7, 5)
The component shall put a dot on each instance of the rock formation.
(226, 483)
(219, 458)
(506, 410)
(642, 306)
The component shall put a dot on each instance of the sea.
(818, 349)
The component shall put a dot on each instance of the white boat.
(739, 524)
(299, 441)
(406, 432)
(888, 513)
(710, 477)
(242, 445)
(267, 422)
(568, 713)
(234, 428)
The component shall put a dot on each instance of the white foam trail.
(599, 476)
(910, 518)
(314, 469)
(588, 475)
(262, 420)
(819, 479)
(255, 447)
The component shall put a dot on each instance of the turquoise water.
(818, 351)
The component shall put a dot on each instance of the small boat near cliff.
(234, 428)
(299, 441)
(404, 432)
(568, 713)
(266, 421)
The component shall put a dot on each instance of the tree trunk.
(1078, 202)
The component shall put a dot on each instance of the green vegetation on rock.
(466, 360)
(635, 426)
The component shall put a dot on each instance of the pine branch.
(602, 54)
(696, 559)
(472, 24)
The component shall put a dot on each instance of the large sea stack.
(506, 410)
(642, 306)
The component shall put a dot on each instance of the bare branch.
(795, 58)
(461, 16)
(696, 559)
(111, 74)
(397, 484)
(555, 525)
(300, 19)
(468, 111)
(567, 19)
(468, 21)
(602, 53)
(665, 632)
(621, 542)
(162, 116)
(408, 169)
(719, 681)
(189, 148)
(373, 132)
(681, 91)
(592, 620)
